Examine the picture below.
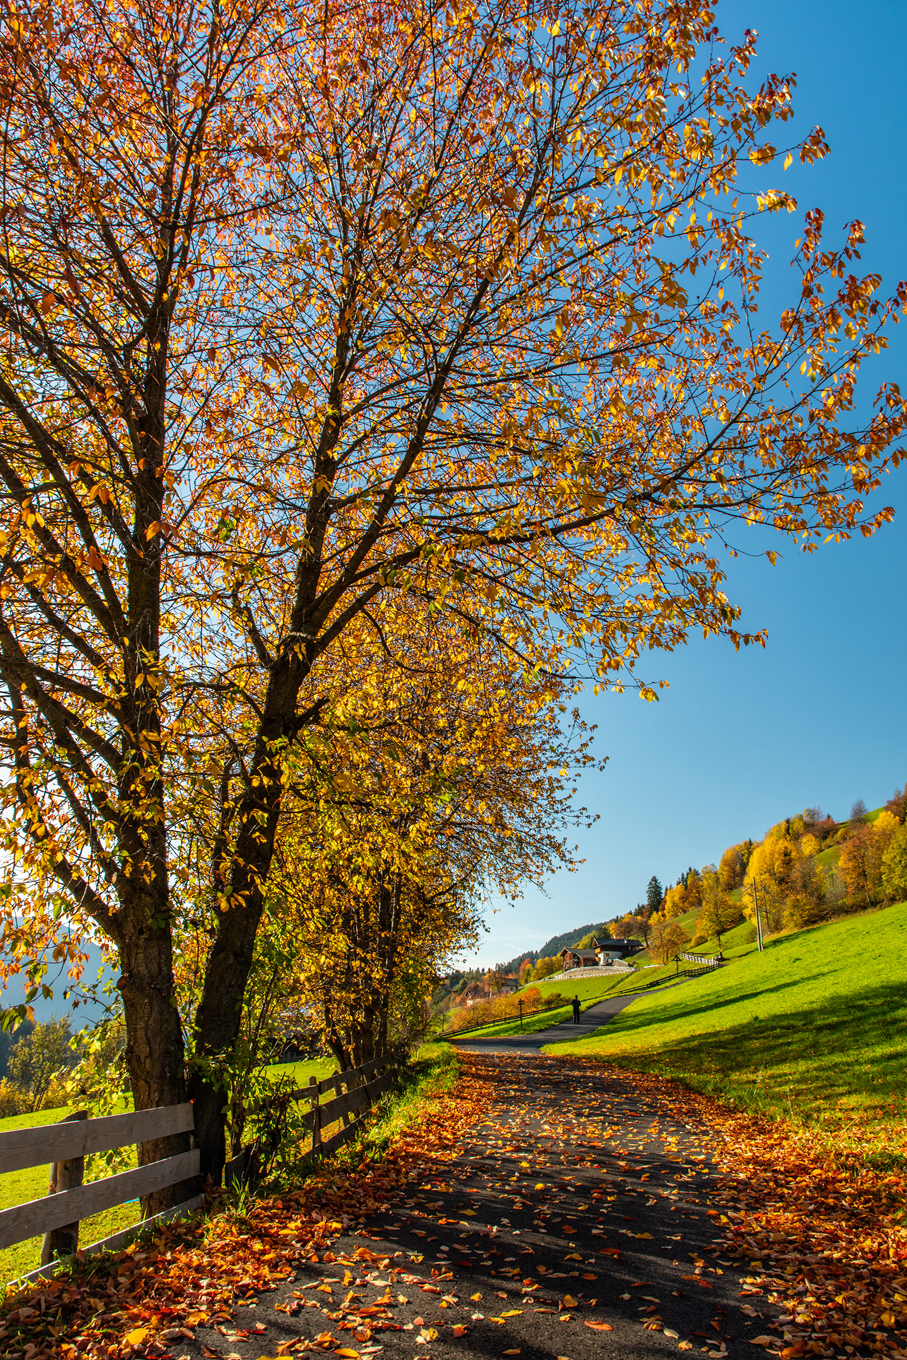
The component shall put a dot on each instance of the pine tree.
(654, 894)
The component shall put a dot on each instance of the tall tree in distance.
(654, 894)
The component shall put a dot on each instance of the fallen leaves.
(134, 1297)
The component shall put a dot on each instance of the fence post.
(316, 1118)
(67, 1175)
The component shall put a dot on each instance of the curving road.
(590, 1020)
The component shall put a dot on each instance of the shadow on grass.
(840, 1062)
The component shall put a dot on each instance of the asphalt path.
(589, 1020)
(573, 1220)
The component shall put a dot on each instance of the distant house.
(510, 983)
(579, 958)
(599, 954)
(471, 995)
(612, 951)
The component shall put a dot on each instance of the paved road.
(589, 1020)
(572, 1221)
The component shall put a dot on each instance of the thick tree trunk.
(218, 1017)
(154, 1039)
(217, 1023)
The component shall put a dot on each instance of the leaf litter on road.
(740, 1232)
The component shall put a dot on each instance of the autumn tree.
(894, 866)
(718, 912)
(463, 793)
(732, 868)
(860, 862)
(897, 804)
(667, 940)
(675, 901)
(302, 310)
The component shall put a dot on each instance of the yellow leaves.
(763, 155)
(137, 1336)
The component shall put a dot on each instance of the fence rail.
(360, 1095)
(65, 1145)
(704, 960)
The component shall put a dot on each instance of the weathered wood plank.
(377, 1088)
(367, 1068)
(361, 1097)
(53, 1211)
(338, 1139)
(21, 1148)
(122, 1238)
(331, 1110)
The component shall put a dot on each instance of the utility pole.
(758, 917)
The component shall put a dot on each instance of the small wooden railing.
(65, 1145)
(704, 960)
(358, 1098)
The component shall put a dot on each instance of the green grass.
(300, 1072)
(814, 1028)
(587, 989)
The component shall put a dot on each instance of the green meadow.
(814, 1028)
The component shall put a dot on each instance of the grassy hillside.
(815, 1027)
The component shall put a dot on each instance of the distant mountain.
(552, 946)
(13, 994)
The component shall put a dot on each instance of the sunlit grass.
(814, 1028)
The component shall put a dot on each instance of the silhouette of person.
(576, 1010)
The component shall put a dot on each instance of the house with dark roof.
(599, 954)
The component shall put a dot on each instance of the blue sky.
(741, 740)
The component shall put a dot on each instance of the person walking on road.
(576, 1010)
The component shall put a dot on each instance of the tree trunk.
(154, 1043)
(217, 1023)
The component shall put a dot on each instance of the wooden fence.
(65, 1145)
(363, 1086)
(704, 960)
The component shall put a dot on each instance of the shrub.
(697, 940)
(12, 1099)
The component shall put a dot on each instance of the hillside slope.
(552, 946)
(816, 1026)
